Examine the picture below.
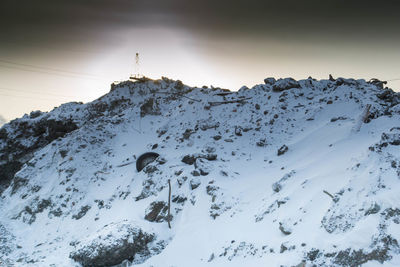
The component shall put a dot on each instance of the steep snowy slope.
(282, 174)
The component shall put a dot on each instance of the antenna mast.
(137, 75)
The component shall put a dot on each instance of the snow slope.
(276, 175)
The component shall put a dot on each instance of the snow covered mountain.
(288, 173)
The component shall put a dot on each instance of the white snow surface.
(329, 192)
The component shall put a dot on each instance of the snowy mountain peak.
(287, 173)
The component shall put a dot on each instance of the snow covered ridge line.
(275, 175)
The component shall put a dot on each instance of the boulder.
(115, 243)
(157, 212)
(285, 84)
(203, 166)
(269, 81)
(191, 158)
(282, 150)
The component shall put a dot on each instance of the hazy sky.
(55, 51)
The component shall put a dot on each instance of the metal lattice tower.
(136, 75)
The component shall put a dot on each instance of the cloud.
(72, 21)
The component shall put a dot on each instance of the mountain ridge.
(275, 161)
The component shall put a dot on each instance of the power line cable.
(33, 92)
(28, 97)
(48, 68)
(46, 72)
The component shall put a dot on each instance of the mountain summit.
(287, 173)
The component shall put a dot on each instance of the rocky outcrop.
(285, 84)
(15, 151)
(114, 244)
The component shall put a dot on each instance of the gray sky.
(57, 51)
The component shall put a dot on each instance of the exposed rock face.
(114, 244)
(15, 151)
(150, 107)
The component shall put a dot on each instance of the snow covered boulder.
(191, 158)
(115, 243)
(285, 84)
(203, 166)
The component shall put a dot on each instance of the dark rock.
(269, 81)
(391, 138)
(217, 137)
(285, 84)
(373, 210)
(238, 131)
(338, 118)
(150, 107)
(35, 114)
(194, 183)
(186, 135)
(63, 153)
(283, 248)
(191, 158)
(282, 150)
(262, 143)
(157, 212)
(195, 173)
(57, 212)
(81, 213)
(313, 254)
(385, 95)
(377, 83)
(179, 199)
(276, 187)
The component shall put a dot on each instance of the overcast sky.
(55, 51)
